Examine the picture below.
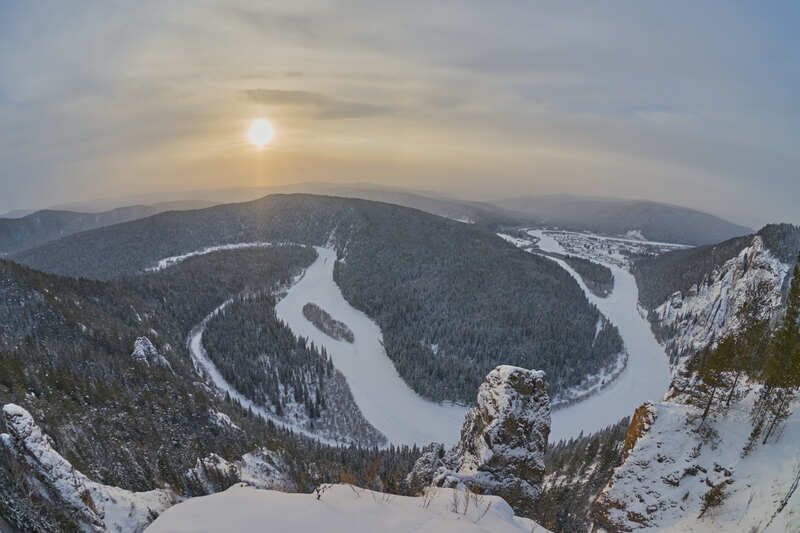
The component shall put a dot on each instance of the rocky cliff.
(692, 319)
(52, 480)
(502, 444)
(672, 471)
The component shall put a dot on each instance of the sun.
(261, 132)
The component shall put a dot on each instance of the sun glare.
(261, 132)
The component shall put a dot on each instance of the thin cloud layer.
(688, 103)
(318, 105)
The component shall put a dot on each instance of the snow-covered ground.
(341, 509)
(660, 486)
(601, 248)
(385, 400)
(647, 374)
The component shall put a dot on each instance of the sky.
(692, 103)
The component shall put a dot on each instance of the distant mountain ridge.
(25, 229)
(47, 225)
(426, 280)
(655, 221)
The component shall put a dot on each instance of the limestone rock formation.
(503, 440)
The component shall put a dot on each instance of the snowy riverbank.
(647, 374)
(386, 401)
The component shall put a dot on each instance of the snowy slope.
(708, 311)
(659, 486)
(96, 506)
(341, 509)
(646, 376)
(386, 401)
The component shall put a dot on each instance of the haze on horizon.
(678, 102)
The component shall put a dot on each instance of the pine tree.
(782, 371)
(710, 366)
(750, 342)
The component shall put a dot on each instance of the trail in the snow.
(385, 400)
(647, 374)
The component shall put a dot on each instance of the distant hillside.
(678, 271)
(655, 221)
(693, 296)
(23, 229)
(453, 300)
(29, 231)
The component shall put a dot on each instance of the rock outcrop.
(690, 321)
(503, 440)
(146, 354)
(52, 480)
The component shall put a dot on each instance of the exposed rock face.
(262, 468)
(146, 354)
(503, 440)
(670, 468)
(52, 480)
(692, 320)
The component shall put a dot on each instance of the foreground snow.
(660, 486)
(386, 401)
(341, 509)
(647, 374)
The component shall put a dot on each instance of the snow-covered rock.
(343, 509)
(706, 312)
(503, 440)
(669, 468)
(93, 506)
(261, 468)
(146, 354)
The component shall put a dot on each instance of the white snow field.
(340, 509)
(385, 400)
(647, 374)
(669, 469)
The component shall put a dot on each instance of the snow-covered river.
(385, 400)
(403, 416)
(647, 374)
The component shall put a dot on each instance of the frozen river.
(647, 374)
(385, 400)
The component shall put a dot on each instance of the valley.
(645, 374)
(390, 405)
(399, 267)
(335, 349)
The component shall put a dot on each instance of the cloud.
(319, 105)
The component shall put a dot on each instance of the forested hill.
(35, 229)
(66, 356)
(614, 216)
(660, 276)
(453, 300)
(131, 247)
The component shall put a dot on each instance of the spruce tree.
(710, 366)
(782, 371)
